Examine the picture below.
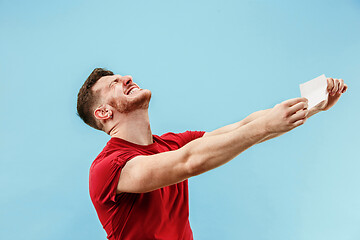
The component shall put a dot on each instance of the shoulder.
(116, 151)
(105, 172)
(111, 159)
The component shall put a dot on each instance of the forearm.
(250, 118)
(233, 126)
(208, 153)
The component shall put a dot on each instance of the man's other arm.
(236, 125)
(251, 118)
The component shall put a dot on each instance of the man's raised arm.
(147, 173)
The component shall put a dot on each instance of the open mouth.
(132, 90)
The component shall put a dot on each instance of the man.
(138, 183)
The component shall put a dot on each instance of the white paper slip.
(315, 90)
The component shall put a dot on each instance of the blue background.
(208, 64)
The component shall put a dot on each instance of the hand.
(335, 87)
(287, 115)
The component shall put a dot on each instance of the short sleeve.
(104, 177)
(189, 136)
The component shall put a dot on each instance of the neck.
(133, 127)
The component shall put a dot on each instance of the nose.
(126, 80)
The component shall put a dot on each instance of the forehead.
(104, 82)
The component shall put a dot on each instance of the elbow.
(195, 165)
(194, 159)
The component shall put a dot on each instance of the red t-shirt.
(160, 214)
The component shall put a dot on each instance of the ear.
(102, 113)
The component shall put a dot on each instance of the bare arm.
(241, 123)
(236, 125)
(251, 118)
(147, 173)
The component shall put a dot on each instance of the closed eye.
(112, 82)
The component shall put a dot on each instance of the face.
(122, 93)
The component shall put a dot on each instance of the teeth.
(133, 90)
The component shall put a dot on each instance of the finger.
(330, 84)
(336, 86)
(297, 107)
(293, 101)
(345, 88)
(301, 114)
(341, 86)
(299, 122)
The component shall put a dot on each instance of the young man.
(138, 183)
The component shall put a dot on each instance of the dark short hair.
(87, 98)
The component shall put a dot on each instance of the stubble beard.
(129, 105)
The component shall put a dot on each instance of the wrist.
(264, 126)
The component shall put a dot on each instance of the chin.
(145, 98)
(140, 101)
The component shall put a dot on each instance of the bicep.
(147, 173)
